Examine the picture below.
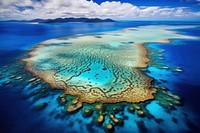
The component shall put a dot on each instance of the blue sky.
(120, 9)
(193, 4)
(189, 3)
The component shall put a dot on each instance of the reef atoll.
(102, 71)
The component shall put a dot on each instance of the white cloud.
(7, 3)
(10, 9)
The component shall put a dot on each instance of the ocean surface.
(16, 107)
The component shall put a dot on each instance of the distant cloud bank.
(45, 9)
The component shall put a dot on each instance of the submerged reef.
(99, 69)
(102, 73)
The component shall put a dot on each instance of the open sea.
(17, 113)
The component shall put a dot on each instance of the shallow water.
(17, 111)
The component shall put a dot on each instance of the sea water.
(17, 115)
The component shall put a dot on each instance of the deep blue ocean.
(16, 113)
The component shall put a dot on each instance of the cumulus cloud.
(29, 9)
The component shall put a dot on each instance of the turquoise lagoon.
(97, 56)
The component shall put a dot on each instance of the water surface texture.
(104, 77)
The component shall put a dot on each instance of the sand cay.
(100, 67)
